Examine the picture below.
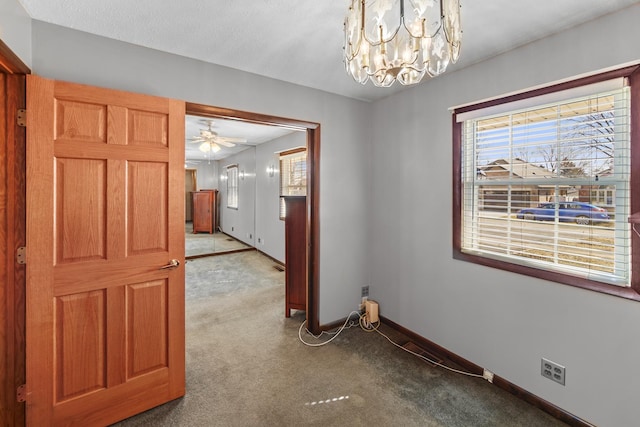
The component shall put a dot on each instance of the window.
(543, 183)
(232, 186)
(293, 175)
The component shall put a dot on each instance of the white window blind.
(547, 186)
(232, 186)
(293, 176)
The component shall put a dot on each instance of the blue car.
(578, 212)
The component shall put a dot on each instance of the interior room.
(402, 195)
(257, 150)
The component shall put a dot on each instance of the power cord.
(367, 326)
(335, 334)
(457, 371)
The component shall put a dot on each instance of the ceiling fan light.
(205, 147)
(215, 147)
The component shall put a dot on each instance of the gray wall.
(502, 321)
(206, 174)
(240, 222)
(269, 227)
(15, 29)
(71, 55)
(257, 216)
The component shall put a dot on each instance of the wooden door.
(202, 216)
(105, 213)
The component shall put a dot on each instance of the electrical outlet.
(487, 375)
(365, 292)
(552, 371)
(231, 228)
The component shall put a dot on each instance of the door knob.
(174, 263)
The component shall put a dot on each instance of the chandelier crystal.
(389, 40)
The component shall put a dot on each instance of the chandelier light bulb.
(389, 40)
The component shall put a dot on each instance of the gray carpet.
(246, 366)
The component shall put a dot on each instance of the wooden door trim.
(12, 230)
(313, 190)
(10, 63)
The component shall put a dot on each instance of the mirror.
(220, 215)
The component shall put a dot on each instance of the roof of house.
(519, 168)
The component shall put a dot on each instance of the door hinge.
(21, 255)
(21, 393)
(21, 118)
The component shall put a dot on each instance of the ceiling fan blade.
(225, 143)
(230, 139)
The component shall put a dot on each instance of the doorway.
(313, 180)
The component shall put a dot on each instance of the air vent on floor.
(279, 267)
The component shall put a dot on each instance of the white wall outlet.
(365, 291)
(552, 371)
(487, 375)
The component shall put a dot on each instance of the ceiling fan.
(210, 141)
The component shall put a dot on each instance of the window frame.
(236, 183)
(284, 154)
(632, 73)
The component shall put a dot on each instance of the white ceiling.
(300, 41)
(254, 134)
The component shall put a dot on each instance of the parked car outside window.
(579, 212)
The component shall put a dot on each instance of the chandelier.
(385, 42)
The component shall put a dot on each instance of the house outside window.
(293, 175)
(232, 186)
(543, 184)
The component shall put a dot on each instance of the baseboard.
(517, 391)
(271, 258)
(335, 325)
(238, 239)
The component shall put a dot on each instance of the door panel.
(147, 327)
(80, 323)
(105, 211)
(147, 213)
(81, 189)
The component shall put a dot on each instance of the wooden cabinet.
(204, 212)
(295, 254)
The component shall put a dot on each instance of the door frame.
(13, 232)
(313, 190)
